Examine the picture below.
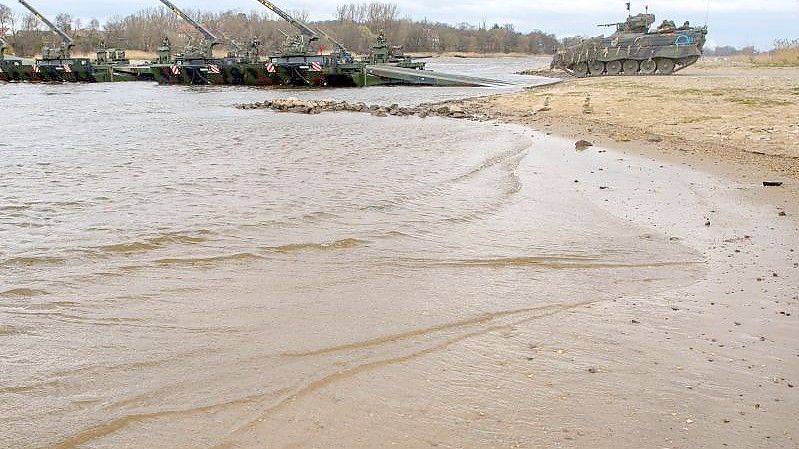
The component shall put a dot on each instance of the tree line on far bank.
(356, 26)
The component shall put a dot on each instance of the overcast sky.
(731, 22)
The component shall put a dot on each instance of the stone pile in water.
(298, 106)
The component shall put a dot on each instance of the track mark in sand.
(550, 262)
(105, 429)
(484, 318)
(286, 397)
(343, 374)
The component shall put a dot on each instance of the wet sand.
(706, 362)
(487, 285)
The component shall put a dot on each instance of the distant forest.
(356, 26)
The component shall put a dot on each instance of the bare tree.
(64, 21)
(7, 20)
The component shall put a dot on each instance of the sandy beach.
(716, 112)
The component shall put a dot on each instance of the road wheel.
(648, 67)
(685, 62)
(580, 69)
(665, 66)
(630, 67)
(597, 68)
(614, 67)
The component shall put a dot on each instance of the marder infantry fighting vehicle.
(634, 49)
(57, 64)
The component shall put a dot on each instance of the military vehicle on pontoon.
(198, 65)
(10, 69)
(57, 63)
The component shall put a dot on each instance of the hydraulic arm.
(68, 42)
(210, 39)
(305, 30)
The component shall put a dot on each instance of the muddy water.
(174, 270)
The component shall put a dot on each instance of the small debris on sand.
(581, 145)
(772, 184)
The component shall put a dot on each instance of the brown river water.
(174, 271)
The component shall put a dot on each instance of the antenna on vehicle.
(647, 9)
(628, 9)
(707, 14)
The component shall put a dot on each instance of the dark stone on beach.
(772, 184)
(582, 145)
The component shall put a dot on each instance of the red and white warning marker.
(67, 68)
(270, 68)
(316, 67)
(213, 68)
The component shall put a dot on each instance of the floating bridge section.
(400, 75)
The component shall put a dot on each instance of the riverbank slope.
(717, 113)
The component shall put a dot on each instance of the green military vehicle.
(112, 64)
(384, 53)
(7, 69)
(13, 69)
(57, 64)
(197, 64)
(297, 65)
(634, 49)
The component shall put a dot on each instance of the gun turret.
(68, 43)
(304, 29)
(211, 40)
(639, 23)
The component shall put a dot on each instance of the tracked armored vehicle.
(634, 49)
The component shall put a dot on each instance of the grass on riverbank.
(785, 54)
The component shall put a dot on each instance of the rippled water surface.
(173, 266)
